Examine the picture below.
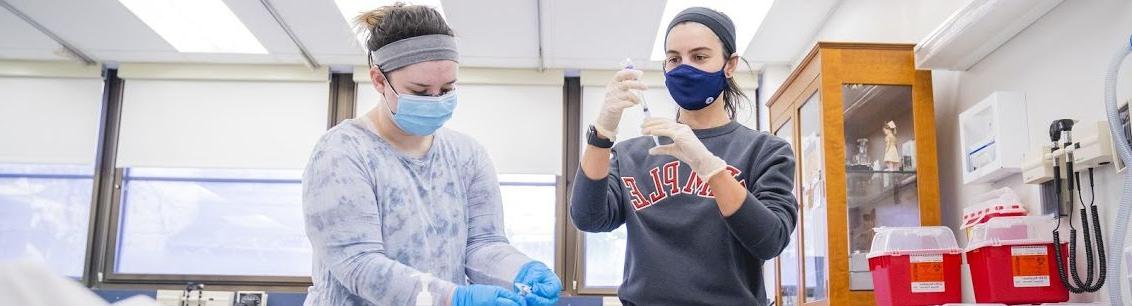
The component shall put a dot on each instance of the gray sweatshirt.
(681, 250)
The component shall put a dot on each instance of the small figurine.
(892, 159)
(862, 157)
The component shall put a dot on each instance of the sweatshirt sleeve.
(344, 225)
(597, 205)
(767, 216)
(491, 260)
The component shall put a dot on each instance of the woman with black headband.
(391, 195)
(707, 206)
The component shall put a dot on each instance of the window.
(44, 213)
(212, 222)
(49, 130)
(211, 177)
(528, 213)
(605, 258)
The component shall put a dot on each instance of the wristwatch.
(593, 139)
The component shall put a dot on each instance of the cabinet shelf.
(875, 190)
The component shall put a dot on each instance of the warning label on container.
(927, 273)
(1030, 266)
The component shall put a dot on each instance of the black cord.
(1061, 264)
(1090, 284)
(1097, 284)
(1089, 265)
(1060, 260)
(1100, 251)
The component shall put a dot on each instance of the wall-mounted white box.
(993, 137)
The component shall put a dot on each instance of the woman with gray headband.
(706, 204)
(391, 195)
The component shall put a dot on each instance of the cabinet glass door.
(788, 260)
(880, 169)
(813, 202)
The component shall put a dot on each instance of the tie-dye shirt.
(376, 217)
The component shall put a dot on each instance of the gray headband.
(414, 50)
(719, 23)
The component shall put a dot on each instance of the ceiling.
(578, 34)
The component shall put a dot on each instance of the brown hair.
(387, 24)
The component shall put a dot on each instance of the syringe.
(644, 103)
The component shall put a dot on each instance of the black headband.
(719, 23)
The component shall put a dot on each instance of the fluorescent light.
(206, 26)
(747, 15)
(352, 8)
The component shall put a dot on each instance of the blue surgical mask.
(423, 115)
(694, 89)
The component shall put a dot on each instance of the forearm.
(729, 194)
(594, 204)
(595, 162)
(494, 263)
(382, 280)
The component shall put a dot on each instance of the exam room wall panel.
(1059, 63)
(520, 126)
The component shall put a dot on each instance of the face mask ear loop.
(388, 82)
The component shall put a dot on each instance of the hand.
(545, 286)
(618, 97)
(483, 295)
(685, 146)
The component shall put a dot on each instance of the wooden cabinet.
(861, 122)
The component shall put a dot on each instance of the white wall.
(773, 76)
(1058, 62)
(886, 21)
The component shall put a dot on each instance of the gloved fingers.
(627, 85)
(665, 130)
(668, 149)
(621, 103)
(622, 95)
(656, 122)
(627, 74)
(659, 120)
(549, 287)
(508, 295)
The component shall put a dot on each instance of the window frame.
(106, 205)
(110, 260)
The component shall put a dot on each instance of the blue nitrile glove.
(483, 295)
(544, 285)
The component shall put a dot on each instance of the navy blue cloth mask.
(694, 89)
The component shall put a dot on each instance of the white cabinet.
(993, 137)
